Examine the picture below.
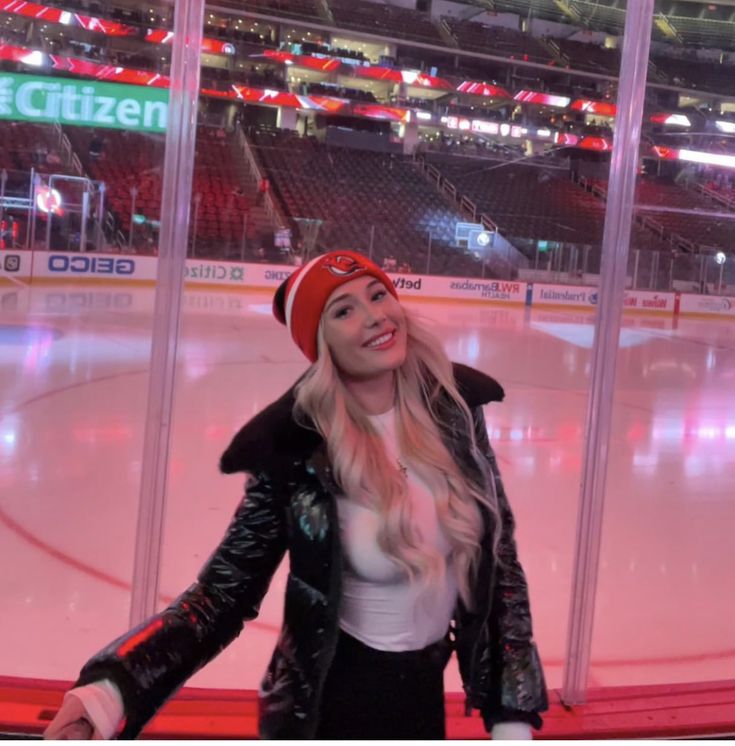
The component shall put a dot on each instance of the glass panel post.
(178, 171)
(615, 245)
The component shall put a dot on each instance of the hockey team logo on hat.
(342, 265)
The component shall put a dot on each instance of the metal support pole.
(705, 273)
(428, 256)
(702, 275)
(243, 243)
(133, 195)
(3, 182)
(637, 258)
(197, 203)
(31, 210)
(99, 235)
(49, 213)
(615, 246)
(35, 182)
(719, 282)
(654, 270)
(178, 172)
(372, 242)
(671, 271)
(85, 217)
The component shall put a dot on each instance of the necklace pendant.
(402, 468)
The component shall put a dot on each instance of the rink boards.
(48, 267)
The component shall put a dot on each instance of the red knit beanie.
(300, 299)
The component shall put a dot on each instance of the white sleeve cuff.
(512, 731)
(103, 703)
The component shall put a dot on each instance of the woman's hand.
(71, 723)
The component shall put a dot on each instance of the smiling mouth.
(381, 340)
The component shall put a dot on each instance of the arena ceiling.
(682, 22)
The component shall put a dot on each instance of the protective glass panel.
(83, 124)
(669, 506)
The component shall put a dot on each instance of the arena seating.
(388, 20)
(258, 76)
(362, 197)
(24, 146)
(310, 47)
(130, 159)
(531, 202)
(127, 15)
(123, 160)
(593, 57)
(727, 191)
(328, 89)
(695, 229)
(497, 40)
(693, 73)
(231, 29)
(308, 9)
(700, 230)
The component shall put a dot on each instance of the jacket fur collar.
(273, 437)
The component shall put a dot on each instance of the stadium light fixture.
(710, 159)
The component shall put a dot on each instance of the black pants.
(373, 694)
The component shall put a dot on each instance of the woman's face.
(365, 328)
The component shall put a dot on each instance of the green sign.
(85, 103)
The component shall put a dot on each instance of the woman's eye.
(379, 295)
(341, 313)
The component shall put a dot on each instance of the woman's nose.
(373, 318)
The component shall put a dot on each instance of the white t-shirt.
(380, 605)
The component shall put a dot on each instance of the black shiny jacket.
(290, 505)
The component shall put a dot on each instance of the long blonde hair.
(363, 470)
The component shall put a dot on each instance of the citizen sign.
(91, 265)
(87, 103)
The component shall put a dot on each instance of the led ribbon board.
(85, 103)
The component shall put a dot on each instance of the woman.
(375, 473)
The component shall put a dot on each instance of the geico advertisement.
(716, 305)
(100, 266)
(16, 264)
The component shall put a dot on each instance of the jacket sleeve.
(149, 663)
(517, 689)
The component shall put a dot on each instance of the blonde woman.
(374, 472)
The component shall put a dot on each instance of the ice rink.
(73, 375)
